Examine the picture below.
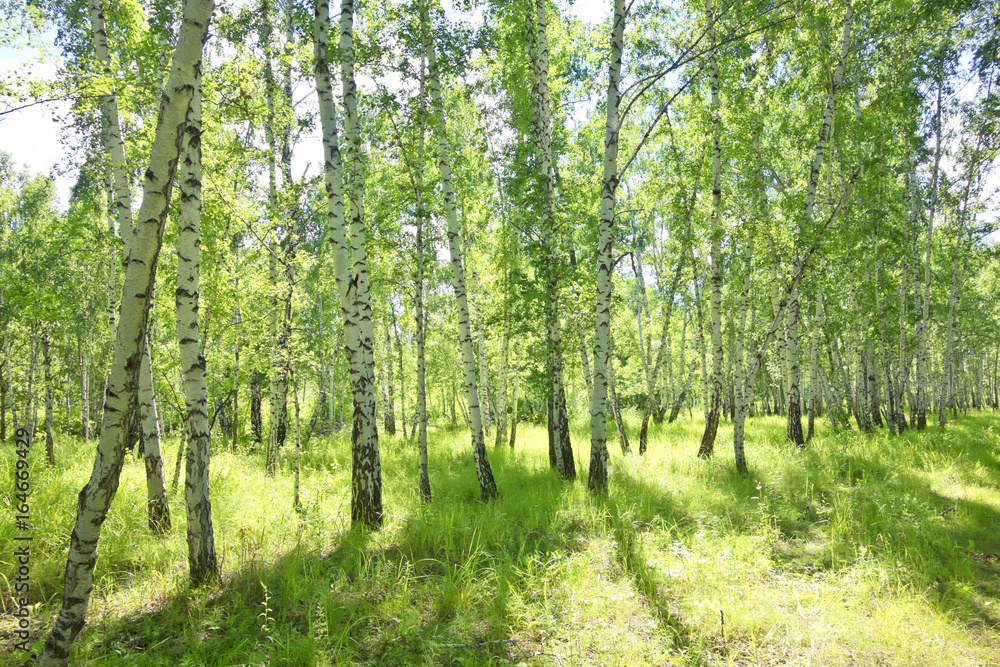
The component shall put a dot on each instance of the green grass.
(858, 550)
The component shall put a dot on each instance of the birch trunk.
(603, 364)
(276, 421)
(389, 414)
(808, 213)
(487, 485)
(425, 483)
(202, 562)
(156, 490)
(794, 411)
(96, 496)
(560, 444)
(923, 326)
(712, 417)
(514, 403)
(815, 394)
(366, 473)
(501, 437)
(740, 387)
(50, 454)
(158, 514)
(84, 392)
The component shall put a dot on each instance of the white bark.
(158, 512)
(560, 447)
(202, 562)
(366, 475)
(598, 475)
(487, 485)
(923, 326)
(714, 407)
(96, 496)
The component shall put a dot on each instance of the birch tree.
(350, 269)
(202, 565)
(100, 490)
(484, 473)
(598, 476)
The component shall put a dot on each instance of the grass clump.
(859, 549)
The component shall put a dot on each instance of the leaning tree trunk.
(366, 472)
(202, 563)
(96, 496)
(714, 408)
(560, 444)
(598, 476)
(158, 514)
(487, 485)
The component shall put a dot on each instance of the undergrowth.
(855, 550)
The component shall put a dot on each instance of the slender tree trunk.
(616, 412)
(712, 417)
(815, 393)
(202, 562)
(487, 485)
(84, 393)
(924, 395)
(96, 496)
(425, 483)
(740, 386)
(514, 404)
(794, 412)
(502, 390)
(276, 421)
(156, 491)
(402, 379)
(603, 364)
(50, 454)
(559, 416)
(389, 415)
(352, 283)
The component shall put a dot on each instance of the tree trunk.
(50, 454)
(924, 395)
(156, 491)
(712, 417)
(421, 215)
(603, 363)
(389, 414)
(366, 471)
(487, 485)
(514, 404)
(559, 416)
(794, 421)
(202, 563)
(502, 390)
(97, 495)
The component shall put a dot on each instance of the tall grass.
(858, 549)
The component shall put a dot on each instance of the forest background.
(488, 217)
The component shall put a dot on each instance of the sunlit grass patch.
(858, 549)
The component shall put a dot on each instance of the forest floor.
(857, 550)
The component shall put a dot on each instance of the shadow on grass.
(433, 587)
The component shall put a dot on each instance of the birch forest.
(378, 332)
